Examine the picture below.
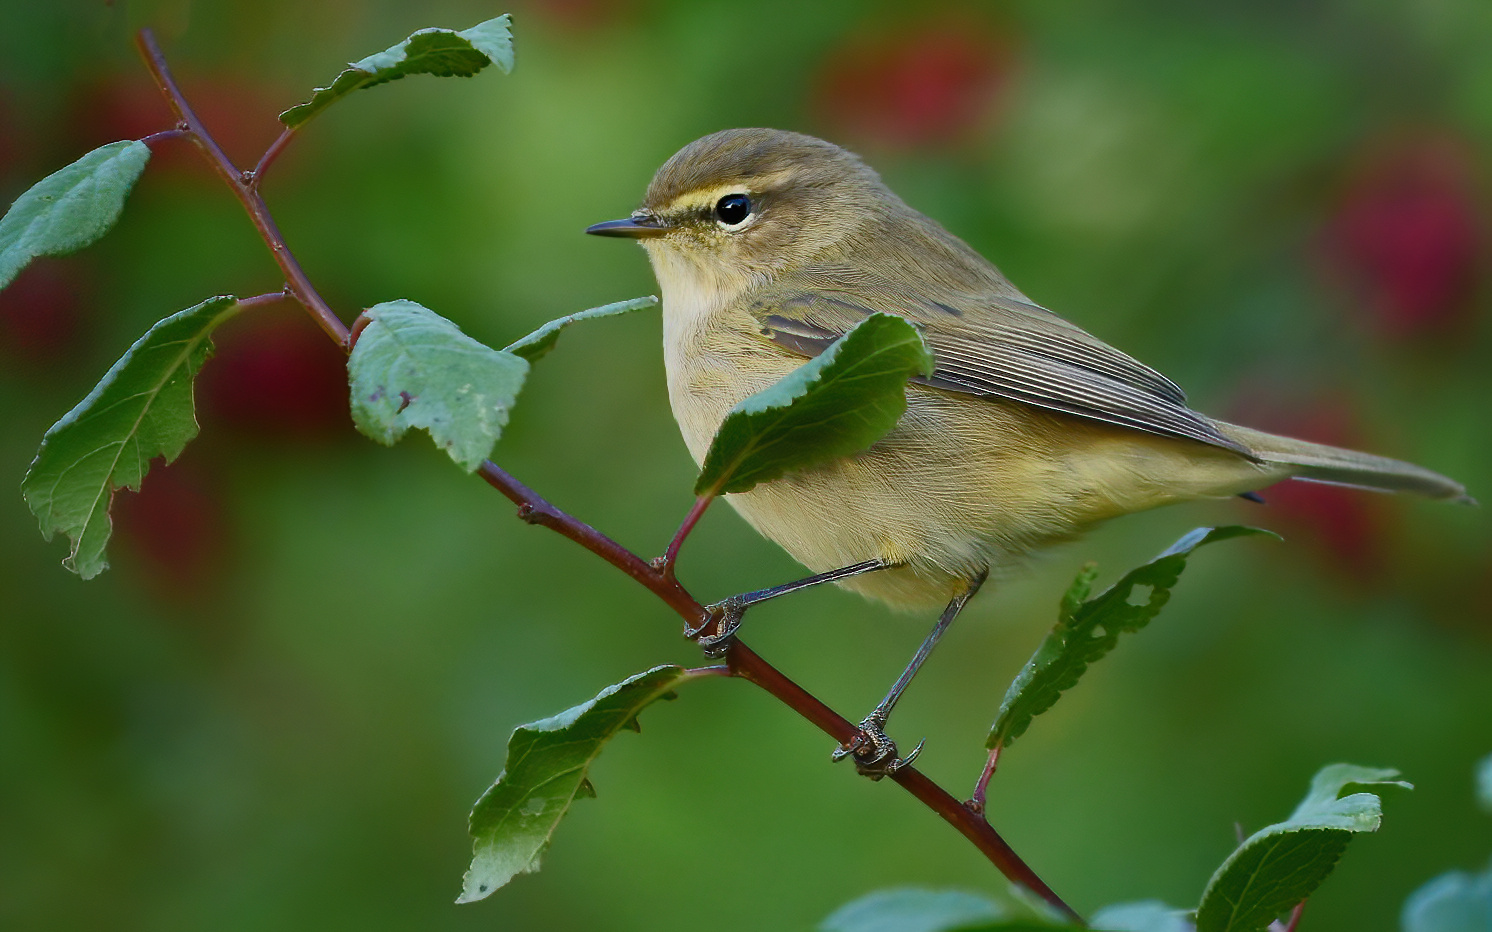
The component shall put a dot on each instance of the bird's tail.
(1320, 463)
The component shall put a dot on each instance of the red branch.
(658, 577)
(244, 185)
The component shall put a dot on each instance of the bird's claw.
(873, 751)
(725, 617)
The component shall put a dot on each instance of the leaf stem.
(242, 186)
(690, 520)
(1293, 921)
(741, 661)
(715, 670)
(981, 786)
(165, 135)
(268, 158)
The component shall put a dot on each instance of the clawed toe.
(726, 618)
(873, 751)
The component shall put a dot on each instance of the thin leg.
(874, 752)
(732, 609)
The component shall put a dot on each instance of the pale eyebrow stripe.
(706, 197)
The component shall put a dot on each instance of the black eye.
(733, 209)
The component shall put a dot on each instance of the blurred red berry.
(275, 375)
(928, 84)
(241, 117)
(40, 314)
(1349, 527)
(11, 136)
(175, 530)
(579, 15)
(1405, 238)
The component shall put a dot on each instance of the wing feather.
(995, 346)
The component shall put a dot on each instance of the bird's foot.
(873, 751)
(724, 617)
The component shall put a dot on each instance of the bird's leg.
(730, 611)
(874, 752)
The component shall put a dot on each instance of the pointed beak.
(638, 226)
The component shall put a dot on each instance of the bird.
(770, 245)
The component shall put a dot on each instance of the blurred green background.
(277, 707)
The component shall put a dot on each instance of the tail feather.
(1317, 462)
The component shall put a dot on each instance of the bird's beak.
(638, 226)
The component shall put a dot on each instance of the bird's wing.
(996, 346)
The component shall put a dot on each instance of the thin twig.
(300, 285)
(748, 665)
(256, 177)
(741, 661)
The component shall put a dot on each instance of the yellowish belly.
(961, 486)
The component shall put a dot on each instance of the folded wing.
(994, 346)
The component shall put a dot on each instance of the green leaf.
(411, 367)
(141, 408)
(70, 208)
(1484, 783)
(1144, 916)
(837, 403)
(910, 909)
(537, 345)
(513, 822)
(442, 52)
(1453, 902)
(1087, 629)
(1282, 864)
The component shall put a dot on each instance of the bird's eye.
(733, 209)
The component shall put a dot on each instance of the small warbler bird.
(770, 245)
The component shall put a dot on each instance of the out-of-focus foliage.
(1453, 902)
(1456, 901)
(279, 706)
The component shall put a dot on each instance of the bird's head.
(745, 204)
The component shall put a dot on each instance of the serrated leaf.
(1144, 916)
(537, 345)
(837, 403)
(413, 368)
(1282, 864)
(442, 52)
(1453, 902)
(1087, 629)
(142, 408)
(547, 767)
(70, 208)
